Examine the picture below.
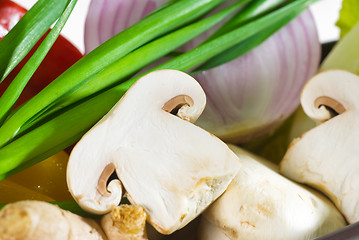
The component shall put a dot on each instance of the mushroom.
(327, 156)
(262, 204)
(167, 165)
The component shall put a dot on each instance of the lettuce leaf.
(348, 16)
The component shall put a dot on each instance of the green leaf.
(13, 91)
(26, 33)
(239, 49)
(348, 16)
(224, 42)
(249, 12)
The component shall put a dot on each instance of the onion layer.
(106, 18)
(251, 95)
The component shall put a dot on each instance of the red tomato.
(60, 57)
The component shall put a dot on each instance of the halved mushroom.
(327, 156)
(169, 166)
(262, 204)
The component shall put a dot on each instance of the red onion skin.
(251, 95)
(106, 18)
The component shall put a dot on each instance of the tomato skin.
(10, 14)
(61, 56)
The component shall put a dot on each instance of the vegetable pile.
(144, 151)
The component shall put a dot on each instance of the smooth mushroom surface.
(327, 156)
(262, 204)
(166, 164)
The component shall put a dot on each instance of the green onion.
(26, 33)
(12, 93)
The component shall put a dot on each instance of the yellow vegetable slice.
(47, 177)
(11, 192)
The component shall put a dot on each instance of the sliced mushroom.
(327, 156)
(169, 166)
(262, 204)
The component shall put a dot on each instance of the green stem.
(27, 32)
(13, 91)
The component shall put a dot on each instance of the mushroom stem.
(126, 222)
(333, 105)
(102, 181)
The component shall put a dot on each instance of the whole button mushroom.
(327, 156)
(169, 166)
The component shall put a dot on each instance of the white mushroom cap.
(327, 156)
(169, 166)
(262, 204)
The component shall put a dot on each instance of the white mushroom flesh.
(327, 156)
(169, 166)
(262, 204)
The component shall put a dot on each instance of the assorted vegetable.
(244, 95)
(63, 85)
(137, 142)
(74, 120)
(151, 151)
(60, 57)
(38, 220)
(13, 91)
